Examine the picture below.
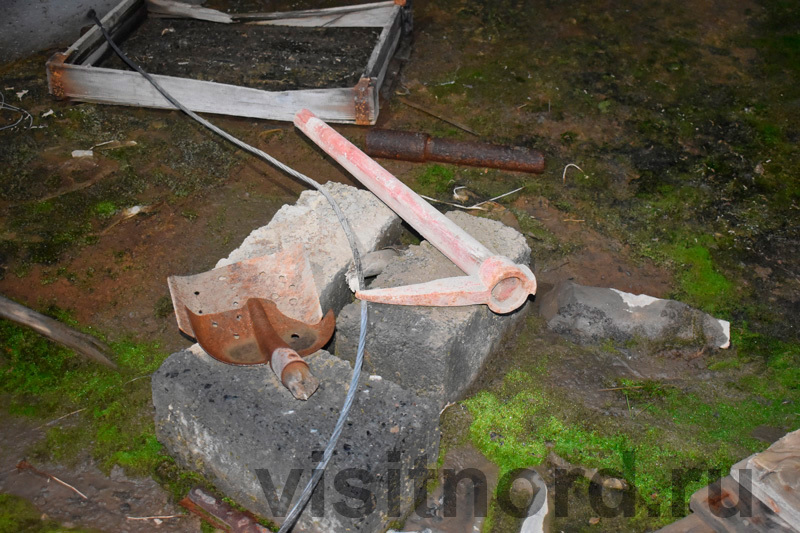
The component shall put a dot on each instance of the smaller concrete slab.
(244, 431)
(436, 352)
(592, 314)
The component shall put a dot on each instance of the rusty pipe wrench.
(491, 279)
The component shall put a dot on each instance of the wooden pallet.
(761, 495)
(74, 74)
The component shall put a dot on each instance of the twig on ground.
(440, 117)
(476, 206)
(574, 220)
(564, 175)
(448, 404)
(589, 473)
(621, 388)
(25, 465)
(59, 418)
(161, 517)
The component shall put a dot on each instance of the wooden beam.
(83, 344)
(110, 86)
(376, 14)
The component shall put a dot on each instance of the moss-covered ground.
(684, 121)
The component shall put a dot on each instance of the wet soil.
(272, 58)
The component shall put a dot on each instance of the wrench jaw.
(510, 283)
(501, 284)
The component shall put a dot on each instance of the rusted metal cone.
(420, 147)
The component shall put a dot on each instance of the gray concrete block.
(228, 421)
(434, 351)
(592, 314)
(312, 222)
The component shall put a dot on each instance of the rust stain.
(55, 75)
(363, 101)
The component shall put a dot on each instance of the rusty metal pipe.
(492, 279)
(419, 147)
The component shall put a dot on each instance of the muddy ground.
(684, 121)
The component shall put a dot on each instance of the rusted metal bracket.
(364, 100)
(259, 311)
(219, 514)
(419, 147)
(491, 279)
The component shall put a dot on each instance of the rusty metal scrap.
(219, 514)
(491, 279)
(258, 311)
(419, 147)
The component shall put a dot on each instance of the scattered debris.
(82, 153)
(48, 113)
(22, 93)
(130, 212)
(219, 514)
(421, 147)
(111, 145)
(23, 114)
(564, 175)
(25, 465)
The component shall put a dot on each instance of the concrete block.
(312, 222)
(434, 351)
(592, 314)
(228, 422)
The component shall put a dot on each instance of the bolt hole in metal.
(236, 336)
(236, 304)
(238, 317)
(214, 325)
(509, 291)
(295, 336)
(196, 293)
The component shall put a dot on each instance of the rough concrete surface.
(434, 351)
(592, 314)
(312, 222)
(228, 421)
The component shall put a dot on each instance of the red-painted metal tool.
(491, 279)
(258, 311)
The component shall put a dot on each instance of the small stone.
(594, 521)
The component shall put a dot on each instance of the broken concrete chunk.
(312, 222)
(592, 314)
(240, 428)
(434, 351)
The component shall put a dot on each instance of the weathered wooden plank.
(109, 86)
(775, 477)
(93, 38)
(387, 43)
(173, 9)
(376, 14)
(730, 507)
